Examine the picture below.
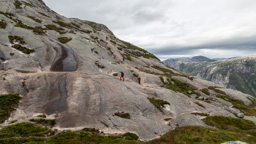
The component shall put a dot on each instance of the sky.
(173, 28)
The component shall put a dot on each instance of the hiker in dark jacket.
(139, 79)
(122, 76)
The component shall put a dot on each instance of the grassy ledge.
(205, 91)
(199, 104)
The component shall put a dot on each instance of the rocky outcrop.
(67, 69)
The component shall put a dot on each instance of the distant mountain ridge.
(236, 73)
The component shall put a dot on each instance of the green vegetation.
(55, 28)
(43, 14)
(50, 122)
(35, 19)
(181, 87)
(12, 54)
(17, 39)
(14, 121)
(64, 39)
(8, 15)
(158, 103)
(75, 25)
(205, 91)
(199, 104)
(229, 123)
(3, 24)
(86, 31)
(162, 79)
(92, 130)
(6, 105)
(22, 25)
(247, 110)
(24, 130)
(123, 115)
(201, 114)
(38, 30)
(23, 49)
(243, 82)
(28, 4)
(17, 4)
(130, 136)
(62, 24)
(217, 90)
(115, 74)
(41, 116)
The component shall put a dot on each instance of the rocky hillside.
(64, 74)
(235, 73)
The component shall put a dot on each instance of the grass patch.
(130, 136)
(75, 25)
(92, 130)
(217, 90)
(35, 19)
(43, 14)
(181, 87)
(199, 104)
(3, 24)
(16, 39)
(205, 91)
(24, 130)
(39, 30)
(115, 74)
(158, 103)
(28, 4)
(23, 49)
(50, 122)
(14, 121)
(247, 110)
(202, 135)
(7, 102)
(229, 123)
(17, 4)
(123, 115)
(64, 39)
(8, 15)
(41, 116)
(55, 28)
(201, 114)
(86, 31)
(22, 25)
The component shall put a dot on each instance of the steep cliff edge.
(67, 70)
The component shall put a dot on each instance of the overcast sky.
(173, 28)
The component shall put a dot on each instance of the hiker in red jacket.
(122, 76)
(139, 79)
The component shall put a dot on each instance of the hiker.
(122, 76)
(123, 60)
(139, 79)
(106, 38)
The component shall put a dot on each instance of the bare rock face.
(68, 69)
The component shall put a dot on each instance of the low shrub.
(17, 39)
(199, 104)
(17, 4)
(50, 122)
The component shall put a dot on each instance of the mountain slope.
(235, 73)
(66, 70)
